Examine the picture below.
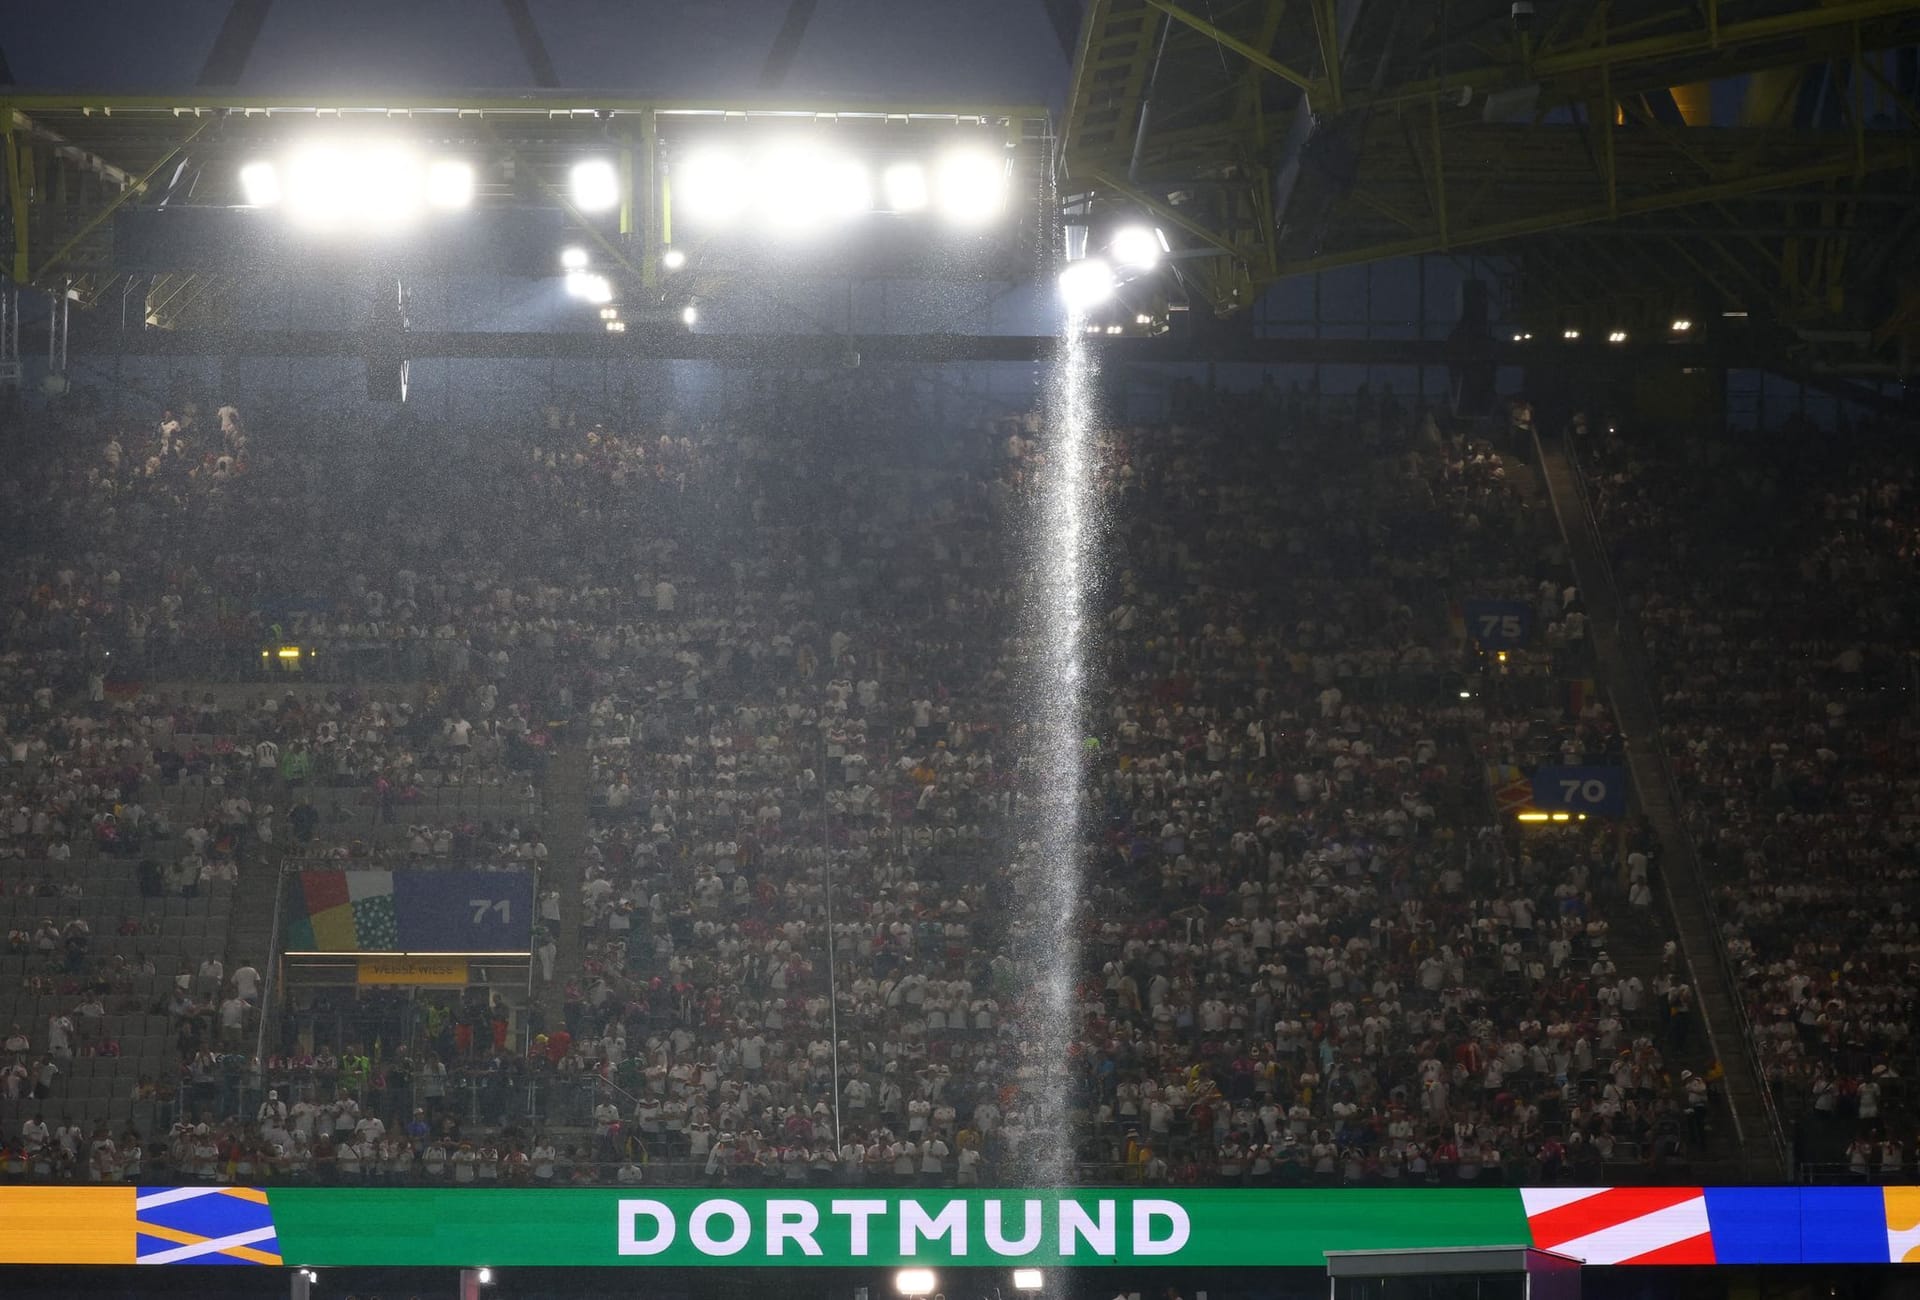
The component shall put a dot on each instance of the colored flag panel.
(423, 911)
(1902, 1213)
(205, 1225)
(1621, 1225)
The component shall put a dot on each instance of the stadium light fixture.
(260, 184)
(594, 184)
(1571, 336)
(368, 189)
(1086, 283)
(1681, 325)
(588, 287)
(690, 316)
(573, 259)
(673, 259)
(319, 185)
(971, 185)
(609, 313)
(903, 187)
(713, 185)
(915, 1281)
(797, 187)
(449, 184)
(1617, 336)
(1135, 247)
(616, 327)
(389, 187)
(1028, 1279)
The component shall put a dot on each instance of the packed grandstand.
(746, 696)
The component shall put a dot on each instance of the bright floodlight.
(485, 1277)
(1028, 1279)
(712, 185)
(1135, 247)
(260, 184)
(321, 186)
(594, 184)
(1086, 283)
(689, 317)
(1681, 325)
(1617, 336)
(904, 187)
(673, 259)
(589, 287)
(915, 1281)
(797, 187)
(972, 186)
(449, 183)
(573, 259)
(388, 187)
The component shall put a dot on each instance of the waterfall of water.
(1066, 527)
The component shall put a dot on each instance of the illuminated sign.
(411, 970)
(853, 1225)
(417, 912)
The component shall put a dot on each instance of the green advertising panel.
(835, 1228)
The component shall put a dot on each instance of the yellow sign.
(413, 970)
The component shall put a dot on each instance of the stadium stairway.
(566, 801)
(1624, 676)
(250, 924)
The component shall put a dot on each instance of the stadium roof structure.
(1639, 160)
(1632, 162)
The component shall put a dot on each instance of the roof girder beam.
(1259, 58)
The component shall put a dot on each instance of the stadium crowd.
(1778, 608)
(1309, 951)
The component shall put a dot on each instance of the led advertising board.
(857, 1226)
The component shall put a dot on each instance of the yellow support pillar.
(19, 169)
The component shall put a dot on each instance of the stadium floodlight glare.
(903, 187)
(388, 187)
(915, 1281)
(1617, 336)
(573, 259)
(971, 186)
(673, 259)
(713, 185)
(589, 287)
(449, 183)
(689, 316)
(370, 189)
(1681, 325)
(1028, 1279)
(798, 187)
(616, 327)
(594, 184)
(1571, 336)
(1135, 247)
(260, 184)
(320, 186)
(1086, 283)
